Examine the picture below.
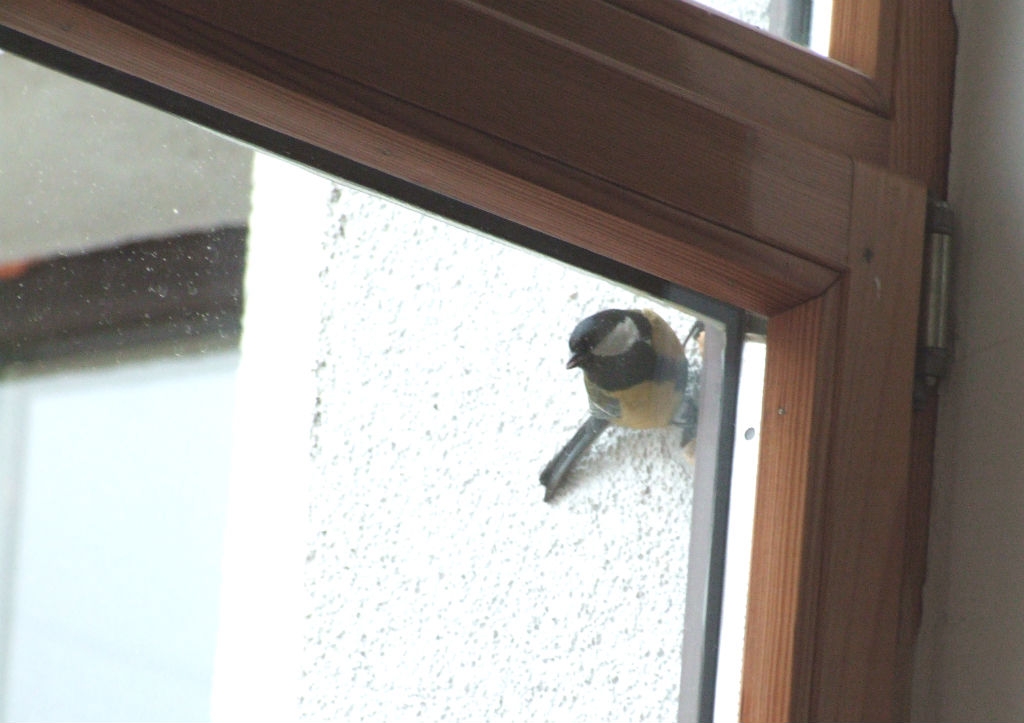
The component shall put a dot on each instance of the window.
(158, 285)
(699, 171)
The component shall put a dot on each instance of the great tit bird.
(636, 374)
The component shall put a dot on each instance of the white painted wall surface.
(970, 657)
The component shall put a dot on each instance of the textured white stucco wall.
(439, 583)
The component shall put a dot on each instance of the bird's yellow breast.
(647, 405)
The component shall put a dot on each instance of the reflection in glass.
(122, 244)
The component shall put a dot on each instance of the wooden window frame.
(693, 149)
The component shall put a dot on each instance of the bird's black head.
(607, 335)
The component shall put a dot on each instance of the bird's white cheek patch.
(619, 339)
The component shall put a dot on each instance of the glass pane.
(402, 383)
(804, 22)
(441, 582)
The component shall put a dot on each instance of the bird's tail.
(556, 470)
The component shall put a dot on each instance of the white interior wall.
(970, 657)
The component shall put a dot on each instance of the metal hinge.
(934, 337)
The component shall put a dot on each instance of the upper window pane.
(804, 22)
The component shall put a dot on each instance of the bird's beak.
(575, 360)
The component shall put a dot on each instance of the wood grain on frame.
(695, 50)
(786, 552)
(830, 522)
(864, 521)
(863, 37)
(431, 71)
(473, 166)
(853, 83)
